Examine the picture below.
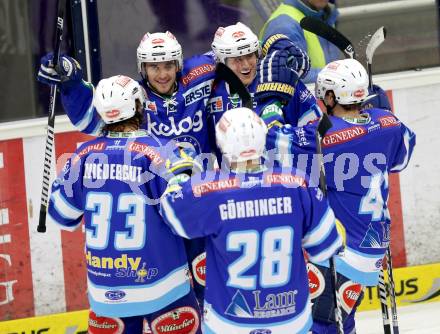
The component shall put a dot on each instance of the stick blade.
(324, 125)
(223, 72)
(329, 33)
(377, 39)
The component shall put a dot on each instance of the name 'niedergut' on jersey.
(111, 183)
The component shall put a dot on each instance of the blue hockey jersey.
(181, 116)
(256, 224)
(358, 155)
(301, 108)
(135, 265)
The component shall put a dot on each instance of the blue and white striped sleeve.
(65, 203)
(321, 239)
(404, 150)
(188, 216)
(78, 104)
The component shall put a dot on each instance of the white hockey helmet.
(234, 41)
(241, 135)
(158, 47)
(348, 80)
(115, 98)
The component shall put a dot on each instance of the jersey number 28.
(274, 264)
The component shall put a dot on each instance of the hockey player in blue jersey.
(238, 47)
(256, 221)
(137, 269)
(374, 143)
(177, 93)
(361, 149)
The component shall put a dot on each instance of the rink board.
(65, 323)
(43, 274)
(413, 285)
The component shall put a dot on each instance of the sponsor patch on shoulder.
(343, 136)
(294, 180)
(388, 121)
(204, 188)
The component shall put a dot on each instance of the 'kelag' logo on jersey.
(175, 127)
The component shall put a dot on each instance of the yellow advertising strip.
(419, 284)
(63, 323)
(413, 285)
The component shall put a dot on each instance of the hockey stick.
(223, 72)
(383, 303)
(377, 39)
(392, 291)
(265, 7)
(329, 33)
(323, 126)
(49, 151)
(341, 42)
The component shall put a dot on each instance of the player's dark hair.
(351, 107)
(346, 107)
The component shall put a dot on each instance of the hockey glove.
(379, 99)
(282, 42)
(67, 72)
(276, 77)
(182, 160)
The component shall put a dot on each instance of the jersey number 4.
(101, 206)
(274, 264)
(373, 202)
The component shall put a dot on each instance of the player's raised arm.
(76, 94)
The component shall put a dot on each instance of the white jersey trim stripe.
(319, 233)
(145, 293)
(406, 139)
(328, 252)
(215, 323)
(86, 120)
(64, 208)
(364, 263)
(171, 217)
(51, 220)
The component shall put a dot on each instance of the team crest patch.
(316, 281)
(104, 325)
(182, 320)
(151, 106)
(199, 268)
(349, 293)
